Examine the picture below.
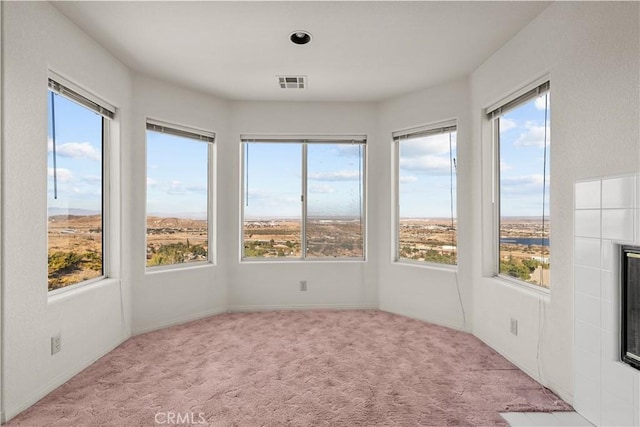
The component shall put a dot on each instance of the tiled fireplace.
(607, 216)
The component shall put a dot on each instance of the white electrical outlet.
(514, 326)
(56, 344)
(303, 285)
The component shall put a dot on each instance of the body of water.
(525, 241)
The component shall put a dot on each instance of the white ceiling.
(361, 51)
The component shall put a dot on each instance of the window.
(426, 227)
(179, 183)
(522, 136)
(303, 199)
(77, 187)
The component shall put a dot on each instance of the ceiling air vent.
(292, 82)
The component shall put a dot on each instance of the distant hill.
(71, 212)
(160, 222)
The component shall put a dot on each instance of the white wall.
(275, 285)
(1, 192)
(164, 297)
(93, 319)
(422, 292)
(590, 51)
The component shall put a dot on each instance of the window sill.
(427, 265)
(298, 260)
(520, 285)
(78, 288)
(178, 267)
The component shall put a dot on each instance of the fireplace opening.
(630, 305)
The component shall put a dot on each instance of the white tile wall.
(587, 280)
(587, 252)
(617, 224)
(588, 195)
(606, 391)
(618, 192)
(588, 223)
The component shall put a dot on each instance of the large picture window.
(179, 183)
(522, 137)
(303, 199)
(426, 226)
(77, 187)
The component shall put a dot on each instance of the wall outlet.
(514, 326)
(303, 285)
(56, 344)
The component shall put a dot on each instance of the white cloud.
(335, 176)
(507, 124)
(175, 188)
(75, 150)
(270, 202)
(504, 166)
(523, 184)
(92, 179)
(196, 188)
(523, 180)
(151, 182)
(533, 136)
(405, 179)
(541, 102)
(62, 174)
(321, 189)
(349, 150)
(430, 145)
(433, 165)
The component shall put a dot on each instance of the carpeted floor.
(307, 368)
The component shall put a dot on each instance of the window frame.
(205, 137)
(74, 93)
(437, 128)
(304, 141)
(492, 116)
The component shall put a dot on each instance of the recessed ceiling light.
(300, 37)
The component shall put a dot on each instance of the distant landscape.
(75, 249)
(176, 240)
(524, 249)
(326, 238)
(75, 246)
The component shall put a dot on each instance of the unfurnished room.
(320, 213)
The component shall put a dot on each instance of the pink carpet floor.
(309, 368)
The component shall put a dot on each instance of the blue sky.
(522, 141)
(176, 176)
(78, 156)
(425, 174)
(177, 171)
(273, 180)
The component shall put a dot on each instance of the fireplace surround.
(630, 305)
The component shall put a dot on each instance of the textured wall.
(92, 320)
(590, 52)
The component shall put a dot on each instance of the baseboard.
(457, 327)
(532, 372)
(178, 321)
(561, 392)
(253, 308)
(59, 380)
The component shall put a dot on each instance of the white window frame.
(206, 137)
(75, 93)
(397, 137)
(304, 141)
(491, 114)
